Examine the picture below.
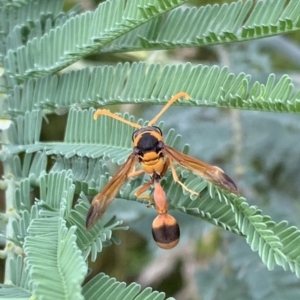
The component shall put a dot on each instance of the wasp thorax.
(148, 142)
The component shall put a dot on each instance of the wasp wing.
(210, 173)
(102, 200)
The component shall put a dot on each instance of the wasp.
(155, 158)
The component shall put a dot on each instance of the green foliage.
(51, 234)
(50, 183)
(94, 290)
(93, 31)
(207, 86)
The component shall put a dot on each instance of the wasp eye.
(160, 145)
(136, 151)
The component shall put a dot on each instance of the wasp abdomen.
(165, 231)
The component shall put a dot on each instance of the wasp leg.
(164, 169)
(176, 179)
(139, 193)
(135, 173)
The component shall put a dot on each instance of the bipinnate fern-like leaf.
(154, 84)
(94, 139)
(122, 30)
(20, 287)
(55, 263)
(78, 142)
(87, 172)
(275, 243)
(212, 24)
(14, 18)
(109, 21)
(102, 287)
(50, 248)
(100, 236)
(25, 131)
(56, 186)
(290, 237)
(21, 225)
(258, 235)
(35, 18)
(32, 166)
(207, 207)
(44, 236)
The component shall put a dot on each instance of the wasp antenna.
(103, 112)
(170, 102)
(165, 231)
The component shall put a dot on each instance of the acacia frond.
(20, 286)
(25, 131)
(290, 237)
(14, 18)
(209, 206)
(100, 236)
(102, 287)
(50, 241)
(91, 140)
(154, 84)
(212, 24)
(31, 167)
(44, 237)
(109, 21)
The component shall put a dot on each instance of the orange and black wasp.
(155, 158)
